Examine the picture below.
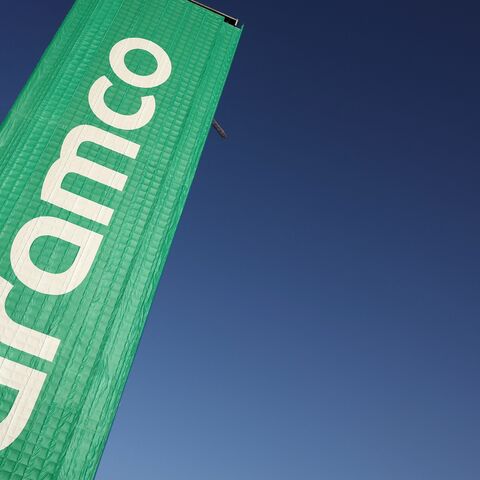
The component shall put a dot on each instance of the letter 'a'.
(48, 283)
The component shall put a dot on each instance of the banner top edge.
(228, 19)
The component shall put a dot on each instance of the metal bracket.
(218, 128)
(228, 19)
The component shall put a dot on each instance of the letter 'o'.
(117, 62)
(48, 283)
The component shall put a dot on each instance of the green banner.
(96, 160)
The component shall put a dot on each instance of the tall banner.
(96, 160)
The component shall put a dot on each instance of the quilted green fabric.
(96, 160)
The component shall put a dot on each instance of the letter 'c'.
(48, 283)
(96, 100)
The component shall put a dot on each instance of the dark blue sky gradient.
(318, 318)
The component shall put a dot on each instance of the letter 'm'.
(20, 337)
(117, 62)
(96, 100)
(28, 382)
(41, 281)
(70, 162)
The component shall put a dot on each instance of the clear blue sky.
(319, 315)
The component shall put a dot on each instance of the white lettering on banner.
(70, 162)
(155, 79)
(27, 381)
(21, 337)
(29, 274)
(96, 100)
